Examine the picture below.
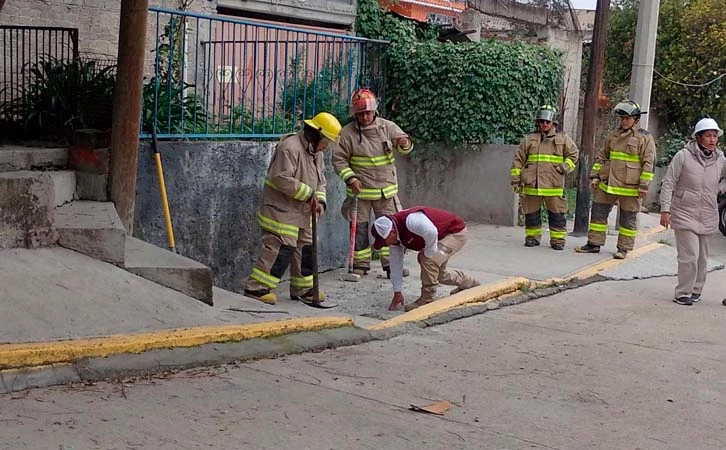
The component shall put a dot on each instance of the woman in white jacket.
(689, 205)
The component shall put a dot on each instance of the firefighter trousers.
(277, 253)
(602, 204)
(434, 271)
(380, 207)
(556, 210)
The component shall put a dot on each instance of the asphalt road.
(614, 365)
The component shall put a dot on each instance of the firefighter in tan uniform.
(294, 189)
(621, 174)
(364, 158)
(538, 171)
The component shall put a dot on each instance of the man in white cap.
(434, 233)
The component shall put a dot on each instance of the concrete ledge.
(92, 228)
(170, 359)
(64, 186)
(15, 356)
(474, 295)
(92, 186)
(479, 299)
(27, 202)
(169, 269)
(13, 158)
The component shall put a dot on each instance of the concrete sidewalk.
(63, 308)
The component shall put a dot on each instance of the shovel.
(316, 303)
(350, 276)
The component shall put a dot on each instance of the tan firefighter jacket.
(367, 154)
(624, 165)
(293, 177)
(541, 163)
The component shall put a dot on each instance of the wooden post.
(589, 117)
(127, 107)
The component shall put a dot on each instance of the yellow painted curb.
(46, 353)
(594, 269)
(474, 295)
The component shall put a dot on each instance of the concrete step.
(64, 186)
(27, 209)
(92, 228)
(14, 158)
(169, 269)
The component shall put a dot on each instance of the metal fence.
(218, 77)
(25, 48)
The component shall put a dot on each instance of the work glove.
(595, 183)
(517, 188)
(562, 168)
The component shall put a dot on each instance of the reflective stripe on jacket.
(624, 165)
(366, 153)
(542, 161)
(293, 177)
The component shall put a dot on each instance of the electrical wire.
(688, 84)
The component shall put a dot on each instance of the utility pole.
(127, 107)
(589, 117)
(641, 79)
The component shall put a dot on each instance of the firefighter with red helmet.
(365, 159)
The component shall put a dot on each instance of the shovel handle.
(353, 232)
(316, 285)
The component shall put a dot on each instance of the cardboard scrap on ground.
(437, 408)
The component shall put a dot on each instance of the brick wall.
(97, 20)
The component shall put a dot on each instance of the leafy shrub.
(61, 95)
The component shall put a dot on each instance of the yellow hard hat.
(326, 124)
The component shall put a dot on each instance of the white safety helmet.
(706, 124)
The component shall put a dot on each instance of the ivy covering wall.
(461, 92)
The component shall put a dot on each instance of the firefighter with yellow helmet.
(621, 174)
(294, 190)
(538, 171)
(365, 160)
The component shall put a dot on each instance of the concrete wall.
(473, 183)
(214, 191)
(570, 42)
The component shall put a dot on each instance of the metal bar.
(270, 41)
(196, 78)
(232, 86)
(169, 70)
(155, 119)
(222, 90)
(264, 77)
(305, 84)
(74, 35)
(254, 82)
(284, 82)
(274, 84)
(182, 78)
(209, 92)
(243, 81)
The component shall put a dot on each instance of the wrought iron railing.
(216, 77)
(24, 48)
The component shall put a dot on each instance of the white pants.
(692, 262)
